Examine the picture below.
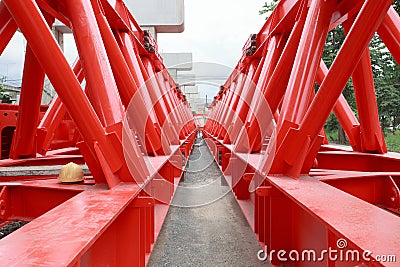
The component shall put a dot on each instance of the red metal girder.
(232, 107)
(301, 83)
(8, 27)
(30, 100)
(244, 100)
(343, 112)
(102, 90)
(372, 139)
(345, 10)
(153, 143)
(83, 238)
(281, 21)
(389, 31)
(57, 9)
(159, 106)
(53, 117)
(115, 14)
(168, 98)
(28, 113)
(275, 91)
(94, 225)
(381, 191)
(43, 161)
(251, 136)
(338, 160)
(61, 76)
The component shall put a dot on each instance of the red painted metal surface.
(297, 192)
(130, 124)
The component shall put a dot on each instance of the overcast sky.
(215, 32)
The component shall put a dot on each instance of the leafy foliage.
(268, 7)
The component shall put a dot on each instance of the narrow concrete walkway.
(205, 226)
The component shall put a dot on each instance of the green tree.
(268, 7)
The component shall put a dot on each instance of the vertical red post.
(102, 89)
(301, 83)
(372, 139)
(389, 31)
(53, 116)
(30, 99)
(344, 114)
(8, 27)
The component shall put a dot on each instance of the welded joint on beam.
(267, 191)
(143, 202)
(248, 177)
(394, 193)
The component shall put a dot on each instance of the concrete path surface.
(205, 226)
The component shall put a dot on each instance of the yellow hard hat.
(71, 173)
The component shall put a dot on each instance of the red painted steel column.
(53, 116)
(181, 114)
(250, 137)
(8, 27)
(102, 90)
(344, 114)
(277, 84)
(128, 49)
(161, 110)
(132, 60)
(29, 107)
(243, 106)
(23, 145)
(127, 87)
(372, 139)
(5, 15)
(219, 127)
(177, 112)
(389, 31)
(368, 20)
(301, 83)
(233, 107)
(167, 98)
(226, 102)
(163, 98)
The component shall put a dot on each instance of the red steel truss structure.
(266, 130)
(118, 110)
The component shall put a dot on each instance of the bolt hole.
(5, 114)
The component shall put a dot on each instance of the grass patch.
(392, 139)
